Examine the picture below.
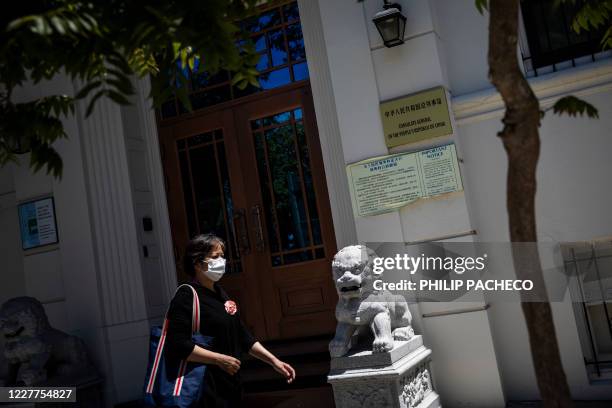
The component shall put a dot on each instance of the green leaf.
(237, 78)
(573, 106)
(482, 5)
(45, 155)
(41, 27)
(118, 61)
(58, 24)
(254, 82)
(117, 97)
(182, 96)
(92, 102)
(183, 58)
(83, 92)
(142, 33)
(606, 41)
(121, 83)
(176, 47)
(19, 22)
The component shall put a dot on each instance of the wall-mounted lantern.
(391, 24)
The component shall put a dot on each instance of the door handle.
(260, 243)
(241, 233)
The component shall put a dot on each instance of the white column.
(156, 184)
(112, 215)
(119, 275)
(327, 123)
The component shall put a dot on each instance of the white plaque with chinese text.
(416, 117)
(384, 184)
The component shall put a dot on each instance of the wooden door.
(253, 174)
(205, 192)
(289, 208)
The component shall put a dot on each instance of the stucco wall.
(480, 358)
(572, 205)
(363, 73)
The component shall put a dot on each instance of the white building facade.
(108, 279)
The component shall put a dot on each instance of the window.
(550, 37)
(277, 35)
(589, 269)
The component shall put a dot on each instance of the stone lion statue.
(360, 305)
(34, 350)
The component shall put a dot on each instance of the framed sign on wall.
(416, 117)
(384, 184)
(37, 223)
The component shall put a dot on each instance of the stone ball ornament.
(362, 309)
(38, 354)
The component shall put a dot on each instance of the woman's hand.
(284, 369)
(228, 364)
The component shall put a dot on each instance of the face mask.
(216, 269)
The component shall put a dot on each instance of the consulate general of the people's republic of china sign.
(384, 184)
(416, 117)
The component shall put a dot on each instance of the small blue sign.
(37, 223)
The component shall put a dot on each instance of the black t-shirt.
(230, 337)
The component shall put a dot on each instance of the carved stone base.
(399, 378)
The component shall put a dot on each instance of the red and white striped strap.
(158, 352)
(179, 379)
(195, 327)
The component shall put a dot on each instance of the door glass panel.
(211, 97)
(207, 191)
(295, 40)
(271, 223)
(186, 181)
(260, 43)
(205, 79)
(290, 12)
(287, 189)
(300, 71)
(277, 36)
(274, 79)
(263, 63)
(277, 47)
(310, 193)
(265, 20)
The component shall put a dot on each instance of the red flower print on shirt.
(230, 307)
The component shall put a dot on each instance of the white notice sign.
(37, 223)
(383, 184)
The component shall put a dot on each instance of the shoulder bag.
(170, 382)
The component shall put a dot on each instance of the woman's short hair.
(198, 248)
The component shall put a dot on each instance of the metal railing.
(590, 287)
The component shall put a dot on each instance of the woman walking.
(220, 319)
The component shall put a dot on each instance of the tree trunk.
(522, 144)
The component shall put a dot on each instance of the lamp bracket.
(389, 5)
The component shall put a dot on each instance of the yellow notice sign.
(416, 117)
(383, 184)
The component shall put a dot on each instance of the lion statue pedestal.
(389, 365)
